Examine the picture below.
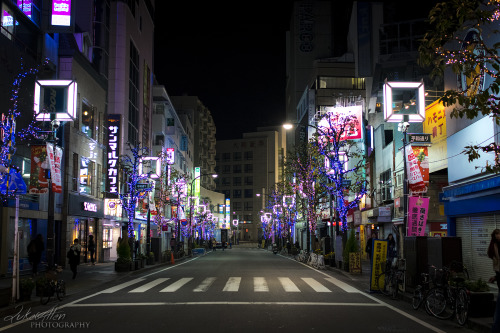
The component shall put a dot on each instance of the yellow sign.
(379, 258)
(435, 125)
(355, 262)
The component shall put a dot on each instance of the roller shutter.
(475, 232)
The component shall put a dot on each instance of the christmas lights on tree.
(133, 193)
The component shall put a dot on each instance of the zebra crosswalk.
(232, 284)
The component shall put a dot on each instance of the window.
(386, 185)
(237, 156)
(248, 168)
(247, 218)
(133, 96)
(88, 120)
(237, 168)
(249, 155)
(86, 176)
(388, 136)
(248, 193)
(248, 206)
(236, 181)
(236, 193)
(76, 167)
(226, 157)
(249, 180)
(226, 181)
(341, 83)
(159, 140)
(226, 169)
(236, 205)
(227, 193)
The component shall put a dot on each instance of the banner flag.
(415, 179)
(418, 209)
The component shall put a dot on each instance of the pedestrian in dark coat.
(91, 249)
(74, 256)
(35, 249)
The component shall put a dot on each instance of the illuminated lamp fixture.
(389, 114)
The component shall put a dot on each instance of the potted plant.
(40, 285)
(124, 261)
(142, 260)
(351, 246)
(167, 255)
(151, 258)
(330, 259)
(26, 287)
(482, 302)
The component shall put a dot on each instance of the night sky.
(233, 57)
(233, 60)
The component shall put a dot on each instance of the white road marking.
(230, 303)
(344, 286)
(176, 285)
(260, 284)
(148, 286)
(121, 286)
(318, 287)
(205, 285)
(232, 284)
(288, 285)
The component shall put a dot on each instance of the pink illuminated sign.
(61, 13)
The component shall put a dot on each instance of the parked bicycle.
(303, 256)
(392, 279)
(53, 286)
(421, 291)
(449, 297)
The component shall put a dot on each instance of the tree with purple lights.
(130, 164)
(304, 178)
(343, 160)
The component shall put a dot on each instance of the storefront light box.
(56, 97)
(389, 91)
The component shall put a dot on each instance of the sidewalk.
(88, 277)
(478, 324)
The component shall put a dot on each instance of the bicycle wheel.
(436, 302)
(417, 298)
(383, 283)
(46, 293)
(61, 290)
(462, 306)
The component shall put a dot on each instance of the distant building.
(248, 169)
(191, 110)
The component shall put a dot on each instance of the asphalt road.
(237, 290)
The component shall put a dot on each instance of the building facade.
(248, 169)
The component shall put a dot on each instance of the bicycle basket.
(440, 277)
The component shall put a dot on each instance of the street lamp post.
(403, 127)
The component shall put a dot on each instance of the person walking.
(214, 245)
(74, 256)
(392, 251)
(91, 249)
(368, 248)
(494, 254)
(35, 249)
(288, 247)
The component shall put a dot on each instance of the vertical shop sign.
(38, 174)
(61, 13)
(113, 155)
(415, 180)
(418, 208)
(379, 256)
(54, 156)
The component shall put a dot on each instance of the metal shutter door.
(464, 232)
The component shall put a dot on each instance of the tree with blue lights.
(8, 124)
(130, 164)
